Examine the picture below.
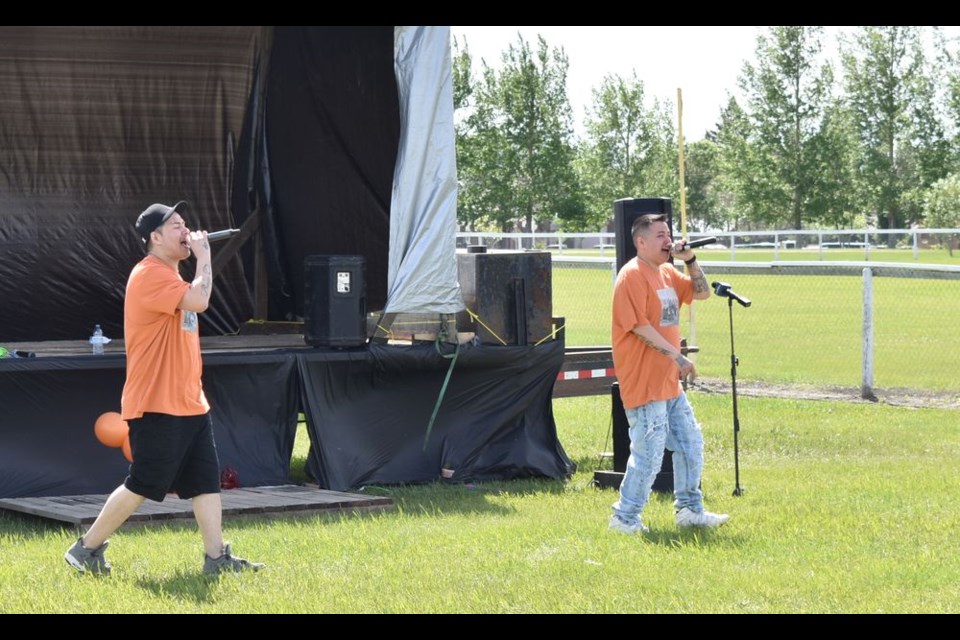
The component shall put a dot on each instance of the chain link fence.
(845, 324)
(844, 308)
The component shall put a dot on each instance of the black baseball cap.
(154, 216)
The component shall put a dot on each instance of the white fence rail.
(782, 243)
(859, 317)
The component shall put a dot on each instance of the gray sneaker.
(228, 562)
(83, 559)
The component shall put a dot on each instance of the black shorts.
(173, 454)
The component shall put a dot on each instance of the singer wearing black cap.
(171, 432)
(650, 367)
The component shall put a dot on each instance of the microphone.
(213, 236)
(725, 290)
(693, 244)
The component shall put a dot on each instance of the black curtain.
(97, 123)
(48, 446)
(368, 414)
(332, 134)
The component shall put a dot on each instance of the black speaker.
(508, 296)
(625, 211)
(621, 445)
(335, 301)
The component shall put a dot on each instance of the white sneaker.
(616, 524)
(688, 518)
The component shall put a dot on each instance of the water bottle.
(97, 341)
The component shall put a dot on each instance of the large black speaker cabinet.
(625, 211)
(335, 301)
(508, 296)
(621, 445)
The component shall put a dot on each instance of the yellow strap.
(476, 318)
(387, 332)
(552, 335)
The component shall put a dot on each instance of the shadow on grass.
(692, 537)
(28, 526)
(410, 499)
(195, 587)
(462, 497)
(453, 496)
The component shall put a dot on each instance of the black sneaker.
(83, 559)
(228, 562)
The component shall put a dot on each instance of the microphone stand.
(737, 491)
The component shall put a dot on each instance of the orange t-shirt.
(643, 295)
(162, 342)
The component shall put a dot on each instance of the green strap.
(443, 390)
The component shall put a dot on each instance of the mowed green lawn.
(845, 508)
(798, 329)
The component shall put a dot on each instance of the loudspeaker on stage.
(335, 301)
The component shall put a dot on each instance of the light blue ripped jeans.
(653, 426)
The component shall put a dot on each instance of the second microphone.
(693, 244)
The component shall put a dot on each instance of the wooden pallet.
(254, 501)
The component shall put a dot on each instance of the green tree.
(948, 60)
(483, 192)
(515, 146)
(705, 197)
(788, 91)
(471, 207)
(630, 149)
(941, 205)
(739, 176)
(892, 100)
(835, 200)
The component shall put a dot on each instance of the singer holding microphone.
(171, 432)
(650, 368)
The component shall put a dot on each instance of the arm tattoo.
(699, 278)
(206, 281)
(650, 344)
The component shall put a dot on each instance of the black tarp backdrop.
(367, 409)
(48, 446)
(294, 130)
(495, 420)
(96, 123)
(333, 129)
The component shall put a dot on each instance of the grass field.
(799, 329)
(846, 508)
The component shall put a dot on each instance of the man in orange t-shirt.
(171, 432)
(650, 368)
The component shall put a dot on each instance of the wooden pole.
(683, 206)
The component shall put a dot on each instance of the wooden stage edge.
(268, 501)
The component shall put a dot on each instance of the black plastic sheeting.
(48, 446)
(367, 410)
(333, 130)
(294, 129)
(369, 417)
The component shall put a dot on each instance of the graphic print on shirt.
(190, 321)
(670, 307)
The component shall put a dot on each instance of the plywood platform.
(254, 501)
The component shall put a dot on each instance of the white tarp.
(422, 269)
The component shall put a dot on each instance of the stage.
(368, 411)
(285, 500)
